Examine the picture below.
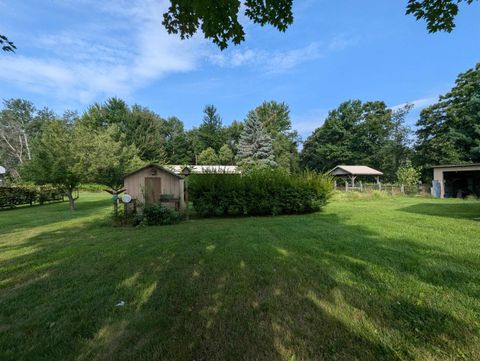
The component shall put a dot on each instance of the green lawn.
(390, 279)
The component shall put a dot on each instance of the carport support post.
(187, 214)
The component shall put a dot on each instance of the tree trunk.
(71, 200)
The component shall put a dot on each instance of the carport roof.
(457, 165)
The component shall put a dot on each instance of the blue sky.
(74, 52)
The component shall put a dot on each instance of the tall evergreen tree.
(275, 118)
(255, 147)
(210, 132)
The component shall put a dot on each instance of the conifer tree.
(255, 147)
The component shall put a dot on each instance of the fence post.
(402, 188)
(361, 186)
(346, 185)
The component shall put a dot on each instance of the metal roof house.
(205, 169)
(354, 171)
(456, 180)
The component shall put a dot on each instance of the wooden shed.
(154, 184)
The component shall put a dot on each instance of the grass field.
(387, 279)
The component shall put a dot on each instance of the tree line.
(111, 138)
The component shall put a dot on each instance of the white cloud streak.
(418, 104)
(280, 61)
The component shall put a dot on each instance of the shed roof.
(354, 170)
(159, 167)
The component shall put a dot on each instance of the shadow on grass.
(19, 219)
(301, 287)
(467, 210)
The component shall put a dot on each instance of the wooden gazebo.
(353, 171)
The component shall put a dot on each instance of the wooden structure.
(352, 172)
(456, 180)
(154, 184)
(3, 171)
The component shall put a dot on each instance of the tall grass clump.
(260, 192)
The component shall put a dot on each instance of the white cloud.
(98, 61)
(280, 61)
(418, 104)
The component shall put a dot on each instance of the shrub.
(408, 175)
(160, 215)
(260, 192)
(15, 196)
(123, 218)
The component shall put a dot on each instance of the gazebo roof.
(355, 170)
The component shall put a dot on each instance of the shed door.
(153, 190)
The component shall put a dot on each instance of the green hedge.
(15, 196)
(262, 192)
(91, 187)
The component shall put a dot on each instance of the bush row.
(261, 192)
(15, 196)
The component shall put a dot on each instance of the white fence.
(388, 188)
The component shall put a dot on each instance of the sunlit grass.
(367, 279)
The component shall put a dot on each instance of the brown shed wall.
(135, 184)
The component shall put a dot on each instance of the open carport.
(456, 181)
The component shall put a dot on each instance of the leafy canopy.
(408, 175)
(449, 130)
(218, 20)
(6, 44)
(439, 14)
(367, 133)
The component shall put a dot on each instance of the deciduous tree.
(225, 155)
(20, 123)
(449, 130)
(208, 157)
(55, 160)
